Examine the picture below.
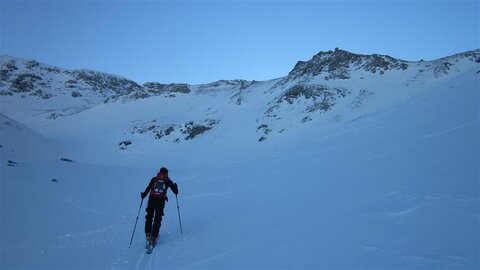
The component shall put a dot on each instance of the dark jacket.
(160, 194)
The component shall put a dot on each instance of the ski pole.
(136, 223)
(179, 220)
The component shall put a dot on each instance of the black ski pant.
(154, 212)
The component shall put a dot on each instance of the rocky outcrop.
(156, 88)
(319, 97)
(174, 132)
(224, 84)
(339, 63)
(31, 78)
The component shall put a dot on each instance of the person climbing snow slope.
(157, 188)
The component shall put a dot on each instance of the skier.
(156, 203)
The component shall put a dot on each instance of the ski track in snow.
(78, 206)
(400, 213)
(450, 129)
(211, 258)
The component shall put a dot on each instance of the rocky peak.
(104, 82)
(338, 64)
(31, 78)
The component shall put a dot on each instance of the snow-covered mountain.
(335, 86)
(365, 155)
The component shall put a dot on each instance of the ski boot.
(149, 237)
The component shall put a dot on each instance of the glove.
(175, 188)
(143, 195)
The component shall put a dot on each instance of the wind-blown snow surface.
(393, 186)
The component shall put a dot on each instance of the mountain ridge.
(333, 62)
(331, 88)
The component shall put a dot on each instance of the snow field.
(394, 184)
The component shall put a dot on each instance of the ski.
(150, 249)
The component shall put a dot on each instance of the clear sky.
(203, 41)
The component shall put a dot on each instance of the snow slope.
(226, 119)
(393, 183)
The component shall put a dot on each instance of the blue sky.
(203, 41)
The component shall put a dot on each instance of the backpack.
(159, 189)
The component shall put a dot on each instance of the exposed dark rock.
(104, 83)
(12, 163)
(71, 84)
(165, 132)
(442, 69)
(326, 62)
(66, 160)
(339, 63)
(192, 130)
(265, 129)
(123, 145)
(169, 130)
(472, 55)
(158, 88)
(7, 69)
(51, 69)
(231, 84)
(306, 119)
(147, 127)
(262, 126)
(323, 96)
(52, 116)
(10, 65)
(24, 82)
(307, 91)
(76, 94)
(383, 63)
(323, 105)
(138, 95)
(31, 64)
(126, 143)
(4, 75)
(41, 94)
(195, 130)
(6, 93)
(309, 97)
